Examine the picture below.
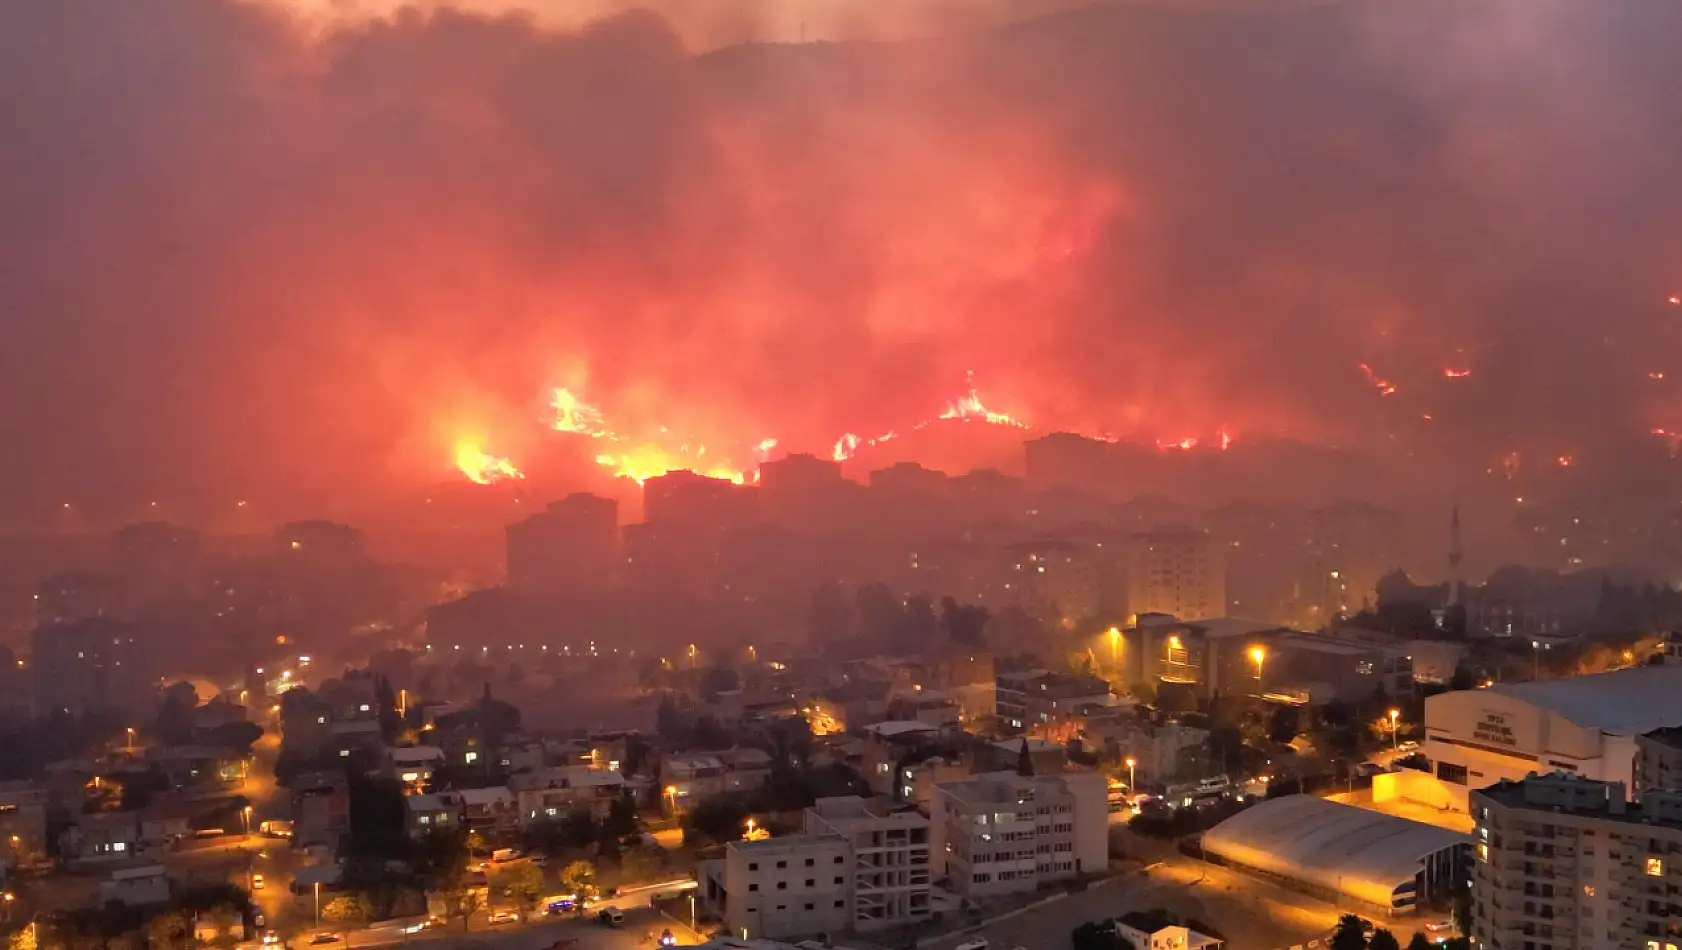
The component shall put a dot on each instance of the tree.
(921, 624)
(1382, 939)
(174, 725)
(1097, 935)
(1282, 724)
(829, 615)
(169, 931)
(1463, 911)
(579, 877)
(579, 829)
(1463, 677)
(462, 898)
(385, 699)
(236, 736)
(1349, 935)
(21, 939)
(1024, 761)
(378, 818)
(522, 885)
(1419, 942)
(965, 624)
(714, 820)
(343, 908)
(621, 817)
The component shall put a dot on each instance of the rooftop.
(1363, 854)
(895, 729)
(1635, 700)
(1562, 793)
(790, 844)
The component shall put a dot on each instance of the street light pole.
(1395, 735)
(1132, 788)
(318, 905)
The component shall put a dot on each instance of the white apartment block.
(1566, 863)
(781, 887)
(1003, 833)
(889, 851)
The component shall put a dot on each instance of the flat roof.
(1218, 628)
(1635, 700)
(1362, 854)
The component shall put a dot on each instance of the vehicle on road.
(541, 860)
(256, 882)
(505, 855)
(320, 939)
(979, 943)
(270, 938)
(611, 916)
(666, 939)
(504, 917)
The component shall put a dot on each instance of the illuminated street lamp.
(1395, 735)
(1131, 762)
(10, 897)
(671, 797)
(1259, 656)
(246, 813)
(130, 731)
(1115, 647)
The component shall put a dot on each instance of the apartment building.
(859, 865)
(1035, 699)
(781, 887)
(1004, 833)
(550, 794)
(1658, 759)
(689, 778)
(888, 848)
(1566, 863)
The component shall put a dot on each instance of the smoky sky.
(248, 252)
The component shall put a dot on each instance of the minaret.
(1454, 557)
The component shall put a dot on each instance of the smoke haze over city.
(264, 251)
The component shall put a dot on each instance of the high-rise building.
(806, 493)
(318, 542)
(155, 557)
(573, 545)
(685, 499)
(1175, 571)
(1352, 545)
(1566, 863)
(87, 666)
(79, 595)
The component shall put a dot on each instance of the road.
(1254, 914)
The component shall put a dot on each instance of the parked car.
(256, 882)
(613, 916)
(666, 939)
(320, 939)
(504, 917)
(979, 943)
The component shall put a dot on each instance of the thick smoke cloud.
(251, 253)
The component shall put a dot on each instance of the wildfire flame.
(642, 458)
(1451, 373)
(1655, 375)
(482, 467)
(1565, 461)
(575, 415)
(1384, 386)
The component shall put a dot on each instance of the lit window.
(1655, 867)
(119, 846)
(470, 758)
(424, 819)
(344, 753)
(1483, 851)
(1588, 890)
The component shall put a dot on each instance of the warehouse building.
(1584, 725)
(1343, 853)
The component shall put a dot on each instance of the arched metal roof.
(1363, 854)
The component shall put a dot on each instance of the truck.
(505, 855)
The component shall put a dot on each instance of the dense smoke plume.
(252, 252)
